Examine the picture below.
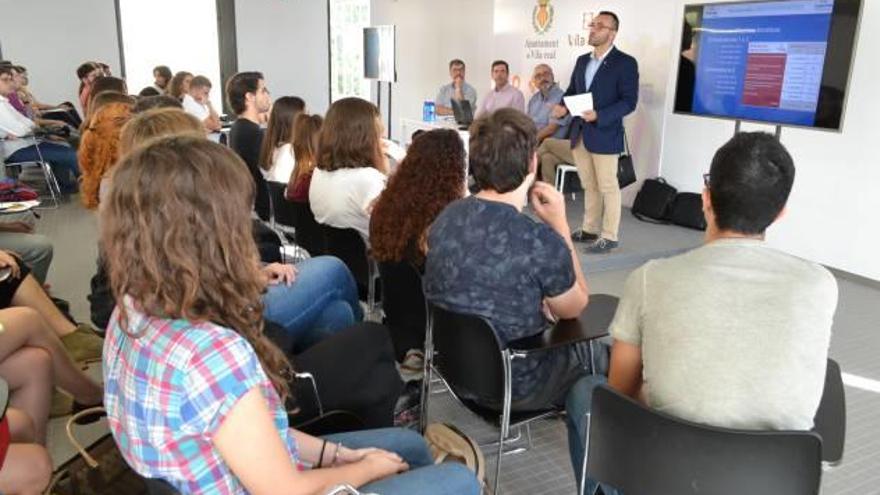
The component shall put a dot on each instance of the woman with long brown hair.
(87, 72)
(194, 390)
(430, 177)
(276, 154)
(351, 169)
(99, 146)
(306, 136)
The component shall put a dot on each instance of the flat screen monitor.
(780, 62)
(379, 57)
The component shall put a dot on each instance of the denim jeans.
(322, 300)
(577, 405)
(423, 477)
(61, 158)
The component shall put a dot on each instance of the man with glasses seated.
(734, 333)
(16, 144)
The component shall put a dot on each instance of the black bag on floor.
(687, 211)
(653, 201)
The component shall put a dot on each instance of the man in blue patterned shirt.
(487, 258)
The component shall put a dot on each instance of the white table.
(409, 126)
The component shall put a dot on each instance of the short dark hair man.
(248, 97)
(458, 89)
(612, 77)
(734, 333)
(161, 77)
(503, 95)
(487, 258)
(197, 102)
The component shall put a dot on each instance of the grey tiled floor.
(545, 469)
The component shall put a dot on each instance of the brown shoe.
(83, 344)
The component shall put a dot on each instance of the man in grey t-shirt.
(458, 89)
(734, 333)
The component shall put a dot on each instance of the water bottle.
(428, 111)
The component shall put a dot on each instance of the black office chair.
(465, 351)
(830, 419)
(641, 451)
(308, 231)
(282, 210)
(403, 302)
(349, 246)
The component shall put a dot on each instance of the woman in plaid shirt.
(194, 391)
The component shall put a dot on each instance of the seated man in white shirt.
(198, 103)
(17, 144)
(734, 333)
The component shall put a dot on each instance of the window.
(179, 34)
(348, 18)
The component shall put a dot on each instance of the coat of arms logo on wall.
(542, 17)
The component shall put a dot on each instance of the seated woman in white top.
(352, 168)
(276, 155)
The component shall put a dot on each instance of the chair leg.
(586, 455)
(427, 372)
(496, 488)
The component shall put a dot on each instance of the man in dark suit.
(597, 135)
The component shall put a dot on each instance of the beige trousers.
(551, 153)
(598, 174)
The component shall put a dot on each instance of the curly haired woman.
(430, 177)
(99, 147)
(194, 390)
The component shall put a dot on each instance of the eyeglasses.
(706, 178)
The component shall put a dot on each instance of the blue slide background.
(813, 27)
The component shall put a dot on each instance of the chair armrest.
(592, 324)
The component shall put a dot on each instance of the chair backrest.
(403, 301)
(641, 451)
(830, 419)
(349, 246)
(468, 355)
(308, 231)
(281, 207)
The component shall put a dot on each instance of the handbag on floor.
(626, 172)
(98, 469)
(448, 443)
(653, 201)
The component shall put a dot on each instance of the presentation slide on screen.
(762, 61)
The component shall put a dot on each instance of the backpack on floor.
(687, 210)
(653, 201)
(12, 190)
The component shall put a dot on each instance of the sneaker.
(601, 246)
(583, 236)
(83, 344)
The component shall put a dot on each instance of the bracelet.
(336, 453)
(321, 457)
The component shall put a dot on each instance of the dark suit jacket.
(615, 90)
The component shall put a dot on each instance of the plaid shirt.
(168, 391)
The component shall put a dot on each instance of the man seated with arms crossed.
(542, 103)
(458, 90)
(197, 102)
(503, 95)
(487, 258)
(732, 334)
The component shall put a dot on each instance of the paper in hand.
(578, 104)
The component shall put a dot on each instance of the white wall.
(53, 37)
(429, 34)
(832, 212)
(287, 42)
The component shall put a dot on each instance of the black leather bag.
(687, 211)
(626, 172)
(653, 201)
